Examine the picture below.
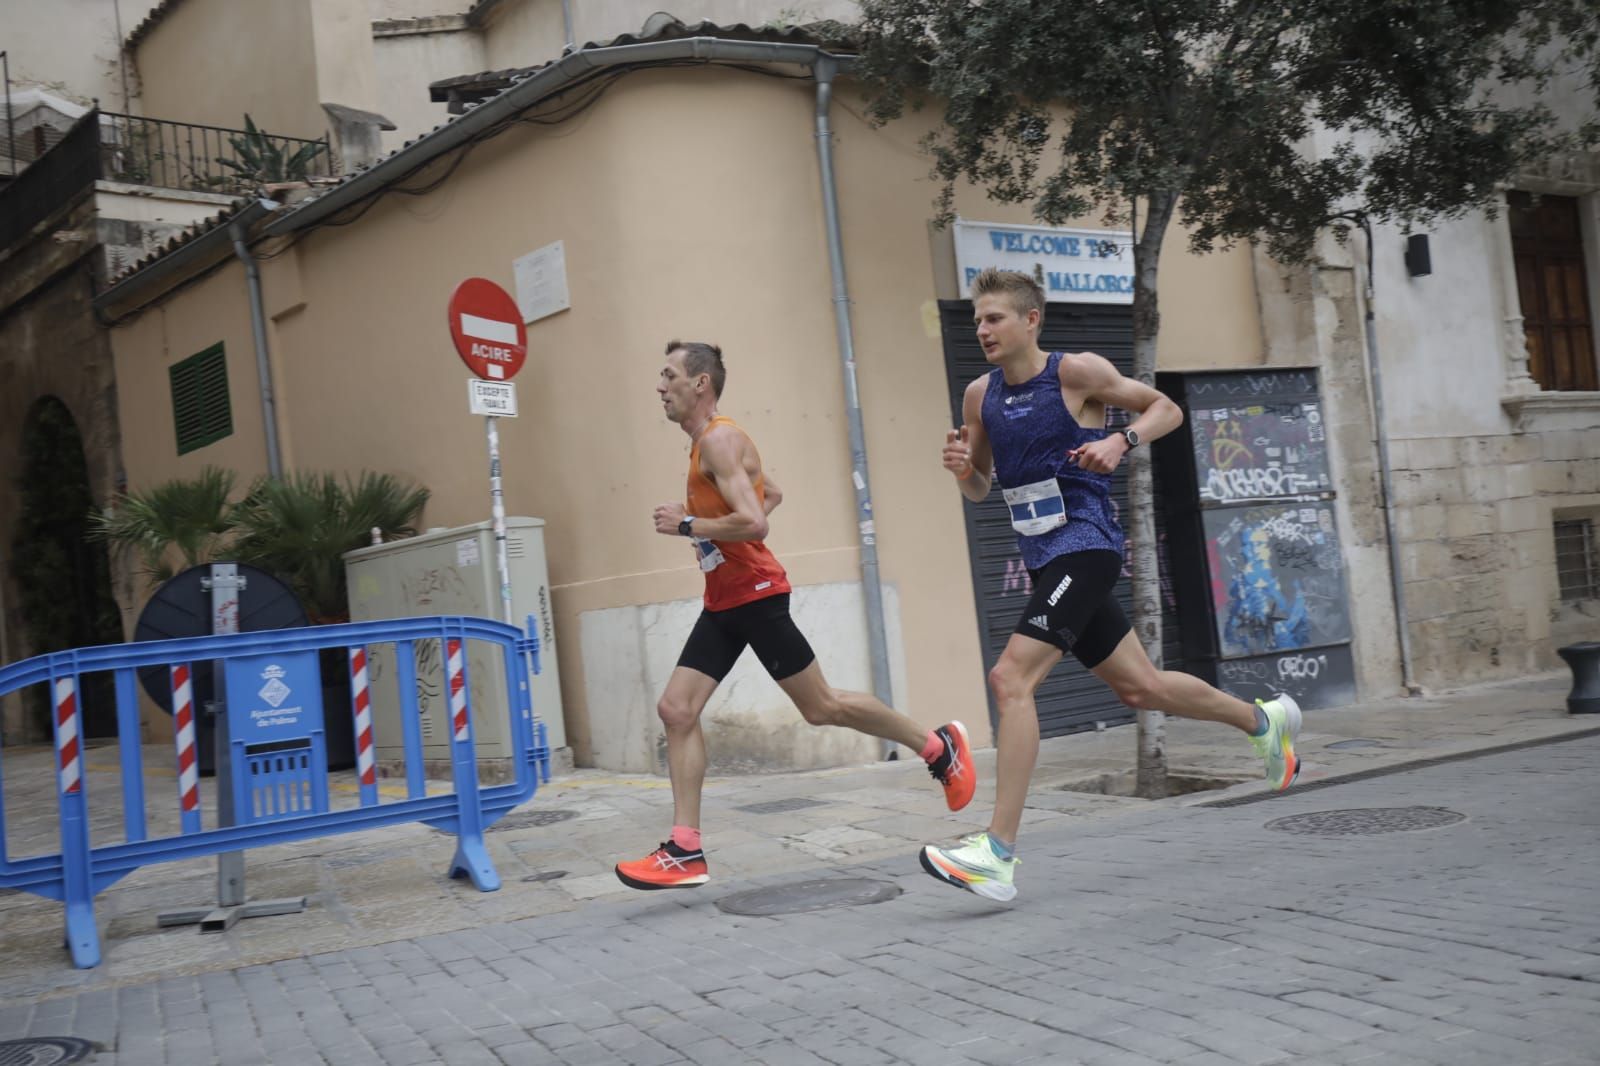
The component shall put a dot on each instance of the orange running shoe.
(669, 866)
(954, 769)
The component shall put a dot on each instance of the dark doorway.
(63, 581)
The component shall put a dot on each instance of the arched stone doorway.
(62, 581)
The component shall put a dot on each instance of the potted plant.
(259, 159)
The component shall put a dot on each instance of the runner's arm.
(979, 474)
(1096, 378)
(719, 450)
(771, 493)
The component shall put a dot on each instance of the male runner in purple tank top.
(1035, 428)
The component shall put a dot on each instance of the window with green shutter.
(200, 408)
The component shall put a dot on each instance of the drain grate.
(796, 803)
(1365, 821)
(44, 1051)
(808, 896)
(532, 819)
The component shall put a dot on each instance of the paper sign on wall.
(541, 278)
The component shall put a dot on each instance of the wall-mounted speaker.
(1419, 261)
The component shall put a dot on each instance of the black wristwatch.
(686, 527)
(1132, 437)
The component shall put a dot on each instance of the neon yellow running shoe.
(974, 866)
(1276, 745)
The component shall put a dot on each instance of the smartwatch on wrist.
(1132, 437)
(686, 527)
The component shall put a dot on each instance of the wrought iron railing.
(51, 181)
(187, 155)
(149, 151)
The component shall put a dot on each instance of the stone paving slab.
(386, 885)
(1172, 935)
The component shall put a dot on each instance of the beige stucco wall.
(341, 33)
(70, 46)
(214, 61)
(406, 62)
(523, 33)
(217, 310)
(689, 204)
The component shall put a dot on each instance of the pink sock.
(686, 838)
(933, 748)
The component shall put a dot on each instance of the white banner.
(1072, 265)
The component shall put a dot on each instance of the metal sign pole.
(498, 511)
(226, 585)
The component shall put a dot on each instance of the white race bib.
(1036, 508)
(709, 554)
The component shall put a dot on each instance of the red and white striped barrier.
(183, 725)
(458, 690)
(69, 752)
(361, 701)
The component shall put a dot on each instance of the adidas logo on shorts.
(1040, 620)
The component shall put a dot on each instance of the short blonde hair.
(1022, 290)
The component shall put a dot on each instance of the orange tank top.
(737, 571)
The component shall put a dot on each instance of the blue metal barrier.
(281, 788)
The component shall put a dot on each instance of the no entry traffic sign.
(487, 329)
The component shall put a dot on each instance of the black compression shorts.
(720, 637)
(1072, 606)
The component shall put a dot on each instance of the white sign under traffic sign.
(498, 399)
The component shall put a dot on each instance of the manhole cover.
(532, 819)
(1358, 742)
(1367, 820)
(809, 896)
(44, 1051)
(797, 803)
(546, 875)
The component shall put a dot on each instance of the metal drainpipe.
(566, 21)
(877, 642)
(1396, 577)
(258, 327)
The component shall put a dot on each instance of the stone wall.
(1475, 517)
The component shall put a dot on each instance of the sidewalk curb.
(1261, 796)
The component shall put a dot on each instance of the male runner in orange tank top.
(747, 604)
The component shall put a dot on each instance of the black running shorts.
(720, 637)
(1072, 606)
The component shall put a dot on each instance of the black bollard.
(1585, 662)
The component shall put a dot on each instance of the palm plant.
(192, 517)
(260, 159)
(300, 527)
(297, 529)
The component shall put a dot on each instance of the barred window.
(1577, 563)
(1553, 285)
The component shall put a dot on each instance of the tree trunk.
(1151, 780)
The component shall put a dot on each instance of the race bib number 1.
(1036, 508)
